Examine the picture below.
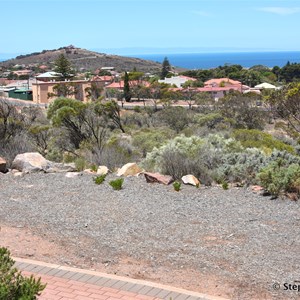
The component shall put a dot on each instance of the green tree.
(111, 111)
(94, 92)
(13, 285)
(12, 76)
(276, 70)
(84, 123)
(242, 111)
(63, 67)
(285, 103)
(290, 72)
(156, 92)
(111, 94)
(126, 90)
(69, 114)
(176, 117)
(189, 96)
(64, 89)
(141, 92)
(40, 136)
(135, 75)
(169, 96)
(12, 123)
(165, 69)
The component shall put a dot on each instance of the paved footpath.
(66, 283)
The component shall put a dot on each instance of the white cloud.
(283, 11)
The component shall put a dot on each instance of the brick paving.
(65, 283)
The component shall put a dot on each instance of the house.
(260, 87)
(22, 94)
(17, 89)
(177, 80)
(107, 79)
(107, 68)
(217, 92)
(43, 67)
(4, 91)
(265, 85)
(6, 74)
(132, 83)
(222, 82)
(48, 76)
(219, 87)
(23, 72)
(41, 90)
(5, 81)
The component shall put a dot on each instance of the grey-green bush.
(280, 177)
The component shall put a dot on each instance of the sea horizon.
(208, 60)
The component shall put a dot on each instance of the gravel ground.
(242, 240)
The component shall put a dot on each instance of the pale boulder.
(30, 162)
(17, 173)
(89, 171)
(54, 167)
(190, 179)
(130, 169)
(102, 170)
(73, 174)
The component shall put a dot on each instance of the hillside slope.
(82, 58)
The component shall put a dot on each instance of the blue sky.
(111, 26)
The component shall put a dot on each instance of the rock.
(257, 188)
(89, 171)
(34, 162)
(15, 172)
(157, 177)
(30, 162)
(18, 173)
(190, 179)
(102, 170)
(73, 174)
(3, 168)
(129, 169)
(54, 167)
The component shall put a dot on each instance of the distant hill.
(82, 58)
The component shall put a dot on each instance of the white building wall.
(178, 81)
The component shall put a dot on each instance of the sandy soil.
(25, 243)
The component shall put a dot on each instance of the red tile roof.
(103, 78)
(4, 81)
(120, 84)
(116, 85)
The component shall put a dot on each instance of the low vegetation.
(224, 142)
(117, 184)
(99, 179)
(13, 285)
(280, 177)
(177, 186)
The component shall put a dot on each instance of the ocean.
(213, 60)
